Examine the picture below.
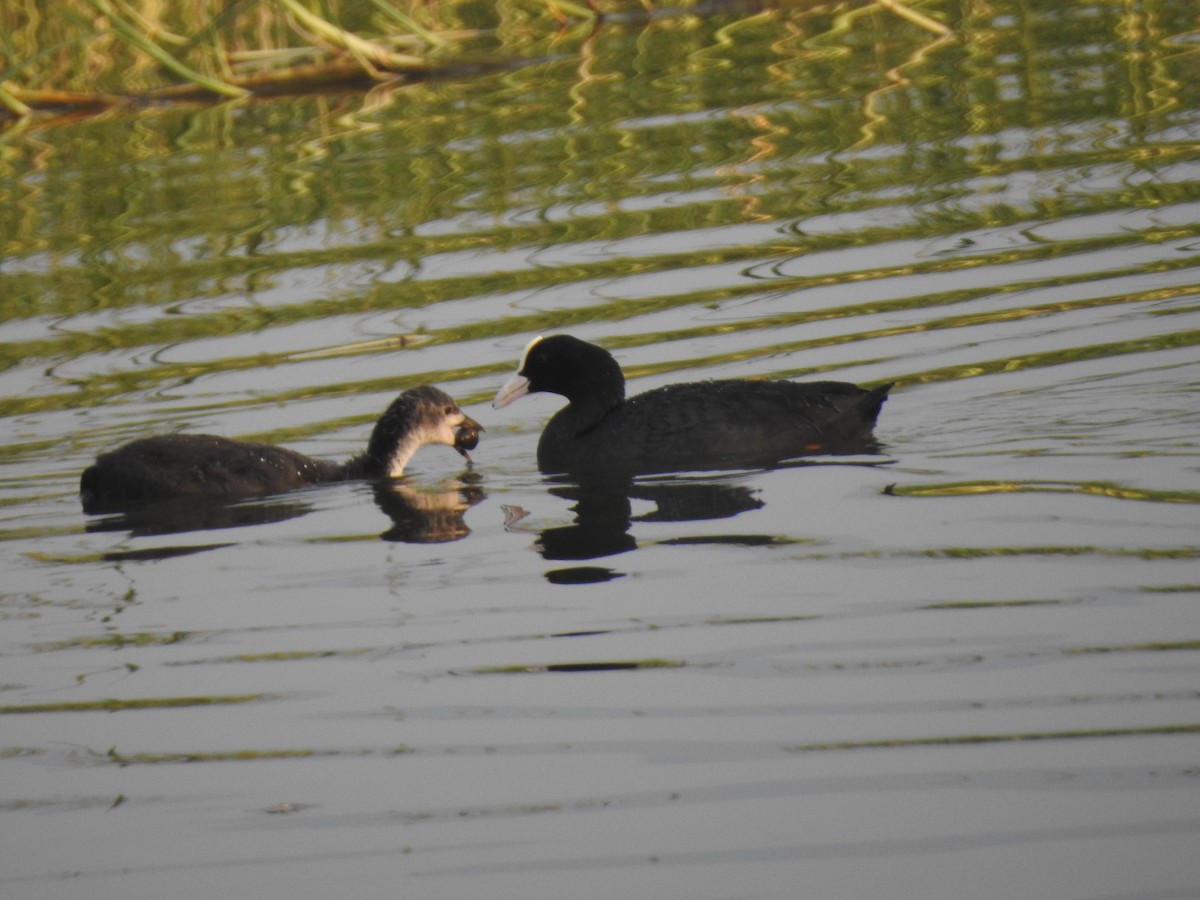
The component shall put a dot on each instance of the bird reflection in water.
(603, 515)
(178, 515)
(428, 515)
(603, 510)
(419, 513)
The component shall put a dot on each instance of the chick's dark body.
(200, 464)
(206, 465)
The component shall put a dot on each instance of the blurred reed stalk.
(95, 54)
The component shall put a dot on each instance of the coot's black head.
(422, 415)
(561, 364)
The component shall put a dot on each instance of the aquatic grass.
(374, 56)
(19, 752)
(760, 620)
(154, 759)
(990, 604)
(115, 641)
(148, 554)
(131, 704)
(222, 35)
(135, 35)
(1002, 738)
(1158, 647)
(209, 47)
(41, 532)
(67, 804)
(322, 540)
(1087, 488)
(292, 655)
(238, 756)
(969, 553)
(1050, 550)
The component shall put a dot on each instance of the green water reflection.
(607, 138)
(681, 176)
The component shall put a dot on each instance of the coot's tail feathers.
(872, 401)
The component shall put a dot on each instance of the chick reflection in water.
(430, 515)
(179, 482)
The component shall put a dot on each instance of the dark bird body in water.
(695, 425)
(204, 465)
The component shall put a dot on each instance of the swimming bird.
(205, 465)
(695, 425)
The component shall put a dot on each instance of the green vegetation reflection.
(125, 705)
(1087, 488)
(1014, 737)
(559, 195)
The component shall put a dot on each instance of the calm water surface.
(965, 667)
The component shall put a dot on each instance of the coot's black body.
(204, 465)
(710, 424)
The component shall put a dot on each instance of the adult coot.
(709, 424)
(176, 465)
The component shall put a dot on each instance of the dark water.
(965, 667)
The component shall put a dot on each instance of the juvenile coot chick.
(709, 424)
(176, 465)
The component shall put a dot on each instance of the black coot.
(179, 465)
(698, 425)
